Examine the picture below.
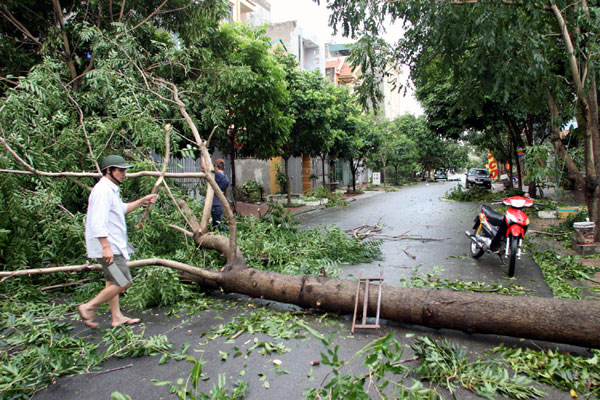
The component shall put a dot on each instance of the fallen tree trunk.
(574, 322)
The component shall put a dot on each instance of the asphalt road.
(414, 211)
(420, 211)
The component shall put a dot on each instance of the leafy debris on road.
(433, 280)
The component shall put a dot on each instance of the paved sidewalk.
(257, 210)
(251, 209)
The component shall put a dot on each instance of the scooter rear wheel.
(514, 247)
(476, 251)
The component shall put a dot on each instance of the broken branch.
(161, 177)
(206, 274)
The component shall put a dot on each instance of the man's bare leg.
(115, 310)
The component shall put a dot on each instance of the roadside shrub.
(334, 198)
(479, 195)
(357, 191)
(279, 217)
(249, 192)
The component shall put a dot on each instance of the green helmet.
(114, 161)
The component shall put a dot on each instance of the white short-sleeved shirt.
(106, 218)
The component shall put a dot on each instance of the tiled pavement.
(256, 209)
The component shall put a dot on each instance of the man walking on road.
(106, 239)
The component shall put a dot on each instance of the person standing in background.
(223, 183)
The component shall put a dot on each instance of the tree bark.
(515, 142)
(323, 168)
(353, 169)
(232, 157)
(288, 187)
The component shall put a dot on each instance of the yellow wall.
(273, 174)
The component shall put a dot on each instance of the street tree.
(247, 98)
(451, 113)
(310, 101)
(455, 155)
(343, 108)
(430, 144)
(356, 142)
(403, 156)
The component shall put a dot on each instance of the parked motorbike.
(492, 230)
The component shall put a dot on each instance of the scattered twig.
(548, 233)
(64, 285)
(405, 361)
(110, 370)
(373, 232)
(237, 334)
(408, 254)
(593, 280)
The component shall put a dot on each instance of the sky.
(316, 17)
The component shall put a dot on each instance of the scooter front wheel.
(476, 251)
(514, 248)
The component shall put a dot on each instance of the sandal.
(128, 321)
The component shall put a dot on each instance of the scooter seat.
(493, 217)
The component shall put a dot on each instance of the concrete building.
(391, 105)
(305, 45)
(241, 9)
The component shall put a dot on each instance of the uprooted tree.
(49, 124)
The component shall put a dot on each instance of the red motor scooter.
(492, 229)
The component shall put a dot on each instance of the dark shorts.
(121, 263)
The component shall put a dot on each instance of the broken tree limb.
(64, 285)
(548, 233)
(204, 273)
(161, 178)
(137, 174)
(211, 191)
(208, 168)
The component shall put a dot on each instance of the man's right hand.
(107, 255)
